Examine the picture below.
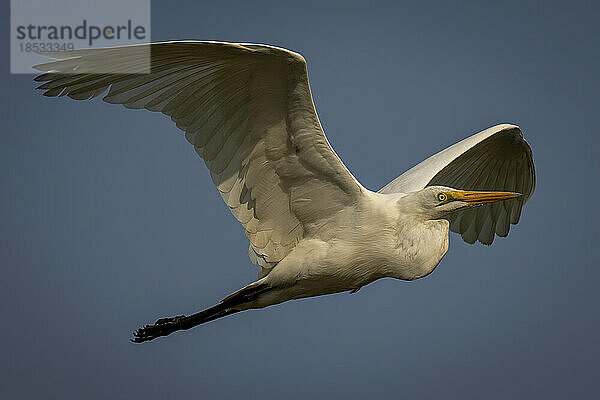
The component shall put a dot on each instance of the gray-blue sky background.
(109, 220)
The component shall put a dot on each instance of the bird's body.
(313, 228)
(375, 238)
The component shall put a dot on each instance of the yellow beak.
(476, 197)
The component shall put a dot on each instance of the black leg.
(166, 326)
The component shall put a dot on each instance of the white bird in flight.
(313, 228)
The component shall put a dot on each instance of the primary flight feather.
(313, 228)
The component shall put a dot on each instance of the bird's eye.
(442, 197)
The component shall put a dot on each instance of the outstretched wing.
(249, 113)
(497, 158)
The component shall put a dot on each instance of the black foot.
(162, 327)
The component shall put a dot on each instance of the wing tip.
(505, 126)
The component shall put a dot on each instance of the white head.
(435, 202)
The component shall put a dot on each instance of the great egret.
(313, 228)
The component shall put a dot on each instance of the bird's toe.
(161, 327)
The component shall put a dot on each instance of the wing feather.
(497, 158)
(247, 110)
